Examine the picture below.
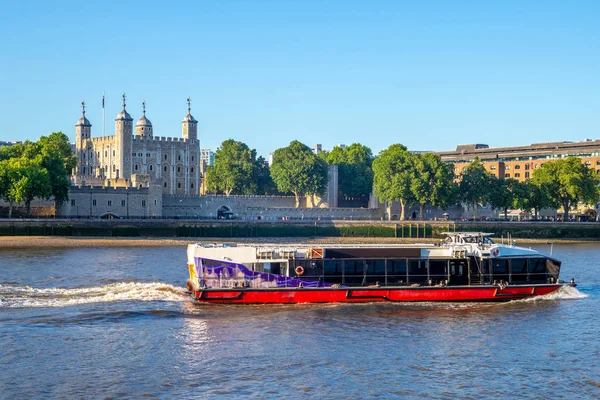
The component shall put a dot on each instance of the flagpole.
(103, 113)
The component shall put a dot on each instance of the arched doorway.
(224, 212)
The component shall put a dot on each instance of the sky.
(427, 74)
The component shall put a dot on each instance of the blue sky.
(428, 74)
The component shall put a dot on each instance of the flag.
(102, 99)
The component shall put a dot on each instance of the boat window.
(417, 271)
(488, 240)
(354, 272)
(438, 271)
(518, 269)
(375, 272)
(537, 269)
(500, 269)
(333, 271)
(396, 272)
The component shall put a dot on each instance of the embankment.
(290, 229)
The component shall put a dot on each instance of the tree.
(28, 179)
(567, 182)
(233, 169)
(296, 169)
(533, 197)
(474, 185)
(58, 159)
(354, 169)
(393, 171)
(504, 193)
(432, 181)
(262, 178)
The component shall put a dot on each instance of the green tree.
(28, 179)
(355, 170)
(568, 182)
(503, 194)
(262, 177)
(474, 187)
(58, 159)
(393, 170)
(297, 170)
(233, 170)
(533, 197)
(432, 182)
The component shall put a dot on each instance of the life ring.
(495, 252)
(299, 270)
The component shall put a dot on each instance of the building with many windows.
(519, 162)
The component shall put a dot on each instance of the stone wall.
(256, 208)
(126, 202)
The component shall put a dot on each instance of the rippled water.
(117, 323)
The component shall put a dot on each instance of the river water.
(117, 323)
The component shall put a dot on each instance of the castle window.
(154, 202)
(165, 156)
(139, 154)
(178, 158)
(84, 170)
(122, 203)
(114, 153)
(105, 153)
(83, 156)
(110, 202)
(136, 167)
(150, 167)
(192, 158)
(191, 186)
(94, 202)
(114, 167)
(179, 185)
(165, 185)
(178, 169)
(143, 203)
(72, 202)
(192, 169)
(133, 154)
(165, 168)
(147, 154)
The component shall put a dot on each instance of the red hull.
(363, 295)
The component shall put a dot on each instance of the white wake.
(564, 293)
(26, 296)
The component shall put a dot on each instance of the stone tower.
(83, 132)
(143, 128)
(121, 165)
(189, 126)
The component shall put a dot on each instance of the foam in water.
(564, 293)
(26, 296)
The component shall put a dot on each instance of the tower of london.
(138, 159)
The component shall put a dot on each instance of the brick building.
(519, 162)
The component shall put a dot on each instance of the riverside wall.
(240, 229)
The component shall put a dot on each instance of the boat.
(465, 266)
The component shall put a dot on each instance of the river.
(116, 322)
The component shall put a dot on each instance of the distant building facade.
(207, 156)
(519, 162)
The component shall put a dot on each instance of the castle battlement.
(116, 160)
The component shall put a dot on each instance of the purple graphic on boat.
(223, 274)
